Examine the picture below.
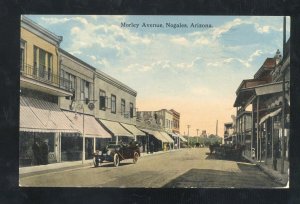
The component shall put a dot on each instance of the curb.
(276, 178)
(29, 171)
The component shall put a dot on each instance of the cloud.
(179, 40)
(137, 67)
(53, 20)
(254, 55)
(218, 31)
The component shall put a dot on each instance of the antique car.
(116, 153)
(229, 151)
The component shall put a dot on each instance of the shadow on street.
(214, 157)
(110, 164)
(248, 176)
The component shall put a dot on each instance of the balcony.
(38, 78)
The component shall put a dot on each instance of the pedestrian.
(276, 154)
(144, 145)
(44, 152)
(151, 147)
(36, 153)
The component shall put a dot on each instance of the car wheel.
(96, 162)
(135, 157)
(116, 160)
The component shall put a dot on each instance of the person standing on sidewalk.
(44, 152)
(151, 147)
(36, 153)
(276, 154)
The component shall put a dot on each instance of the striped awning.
(91, 126)
(43, 116)
(165, 135)
(270, 115)
(133, 129)
(182, 138)
(116, 128)
(156, 134)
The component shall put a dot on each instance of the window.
(102, 100)
(22, 55)
(122, 106)
(43, 62)
(113, 103)
(68, 81)
(84, 90)
(131, 110)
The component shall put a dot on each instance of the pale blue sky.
(196, 71)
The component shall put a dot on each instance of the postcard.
(142, 101)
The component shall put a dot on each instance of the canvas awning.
(156, 134)
(165, 135)
(182, 138)
(91, 126)
(133, 129)
(274, 113)
(116, 128)
(43, 116)
(174, 135)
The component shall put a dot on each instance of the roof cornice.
(40, 31)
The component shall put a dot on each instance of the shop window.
(71, 147)
(36, 149)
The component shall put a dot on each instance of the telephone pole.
(188, 134)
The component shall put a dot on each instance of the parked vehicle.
(116, 153)
(229, 151)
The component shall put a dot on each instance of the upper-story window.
(102, 100)
(22, 54)
(131, 110)
(68, 81)
(84, 90)
(122, 106)
(43, 63)
(113, 103)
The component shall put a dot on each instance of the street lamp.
(91, 106)
(197, 135)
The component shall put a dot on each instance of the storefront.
(170, 144)
(118, 132)
(156, 140)
(41, 126)
(95, 136)
(139, 136)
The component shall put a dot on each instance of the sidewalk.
(31, 170)
(283, 179)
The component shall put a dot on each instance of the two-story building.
(80, 109)
(116, 108)
(265, 95)
(41, 120)
(158, 126)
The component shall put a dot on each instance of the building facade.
(41, 120)
(68, 108)
(270, 110)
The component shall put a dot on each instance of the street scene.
(186, 168)
(154, 101)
